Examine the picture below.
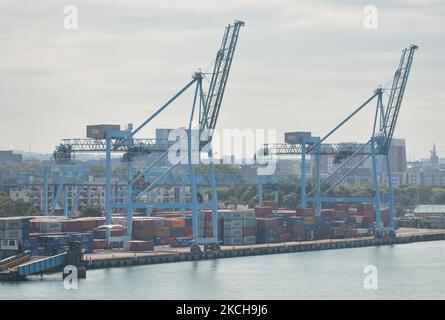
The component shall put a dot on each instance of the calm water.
(410, 271)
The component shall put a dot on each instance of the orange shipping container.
(309, 220)
(262, 211)
(99, 243)
(163, 232)
(306, 212)
(175, 222)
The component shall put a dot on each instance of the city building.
(10, 157)
(428, 171)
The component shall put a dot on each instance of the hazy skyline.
(299, 66)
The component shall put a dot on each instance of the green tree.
(91, 211)
(11, 208)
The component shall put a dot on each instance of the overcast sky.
(299, 66)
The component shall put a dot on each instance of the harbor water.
(407, 271)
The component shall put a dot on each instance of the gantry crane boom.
(387, 123)
(399, 82)
(220, 74)
(207, 118)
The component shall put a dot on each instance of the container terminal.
(137, 229)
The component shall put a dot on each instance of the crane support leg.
(214, 202)
(390, 194)
(377, 201)
(108, 200)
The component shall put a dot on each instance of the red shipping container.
(136, 245)
(297, 228)
(99, 243)
(306, 212)
(163, 232)
(143, 234)
(341, 207)
(175, 222)
(262, 211)
(189, 231)
(285, 237)
(249, 231)
(71, 225)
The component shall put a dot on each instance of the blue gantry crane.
(206, 106)
(353, 155)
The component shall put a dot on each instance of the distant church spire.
(434, 157)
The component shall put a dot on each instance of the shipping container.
(263, 211)
(251, 239)
(178, 232)
(295, 220)
(306, 212)
(99, 243)
(267, 236)
(163, 232)
(136, 245)
(285, 237)
(233, 241)
(249, 222)
(162, 240)
(175, 222)
(233, 232)
(309, 220)
(46, 225)
(249, 231)
(182, 242)
(230, 214)
(238, 223)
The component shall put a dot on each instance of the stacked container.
(177, 226)
(263, 211)
(144, 227)
(366, 210)
(249, 227)
(188, 226)
(296, 227)
(233, 225)
(341, 211)
(205, 223)
(268, 229)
